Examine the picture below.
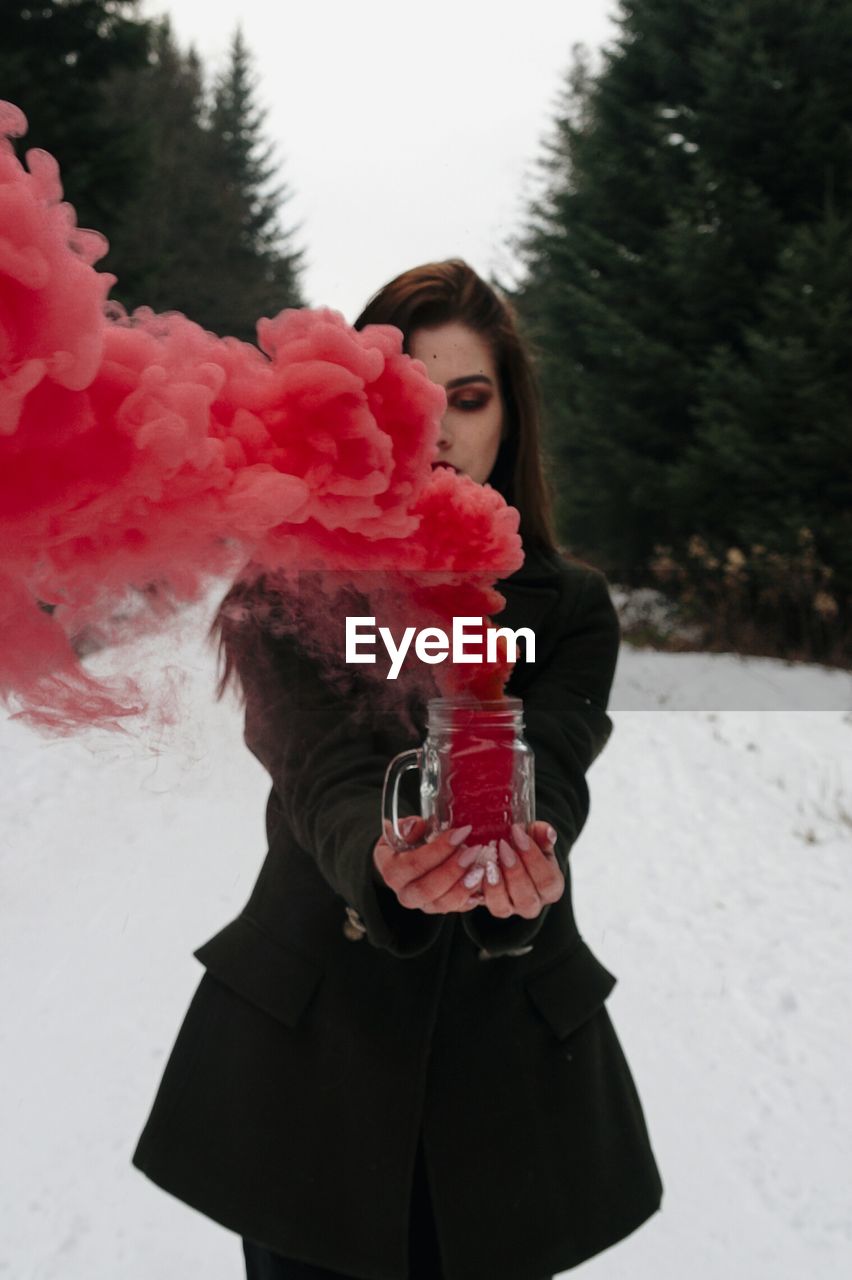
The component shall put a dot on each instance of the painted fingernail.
(468, 855)
(551, 835)
(522, 840)
(507, 854)
(460, 835)
(492, 873)
(473, 878)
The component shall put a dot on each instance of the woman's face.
(473, 425)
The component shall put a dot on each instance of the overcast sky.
(408, 132)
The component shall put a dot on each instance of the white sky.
(408, 132)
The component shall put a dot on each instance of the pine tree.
(597, 303)
(158, 248)
(770, 464)
(56, 58)
(181, 185)
(257, 272)
(697, 185)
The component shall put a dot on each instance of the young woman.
(400, 1065)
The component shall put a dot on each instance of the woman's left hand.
(525, 876)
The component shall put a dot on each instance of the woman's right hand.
(430, 876)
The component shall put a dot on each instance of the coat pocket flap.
(243, 957)
(568, 992)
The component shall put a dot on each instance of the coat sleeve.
(328, 773)
(567, 727)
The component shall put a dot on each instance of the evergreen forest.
(684, 275)
(168, 160)
(687, 284)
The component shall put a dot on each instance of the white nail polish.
(492, 873)
(473, 878)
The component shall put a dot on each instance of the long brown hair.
(424, 297)
(440, 292)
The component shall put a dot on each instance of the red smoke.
(139, 450)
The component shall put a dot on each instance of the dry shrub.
(759, 601)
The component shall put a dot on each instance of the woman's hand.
(444, 875)
(430, 876)
(525, 876)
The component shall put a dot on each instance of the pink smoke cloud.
(139, 450)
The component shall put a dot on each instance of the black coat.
(311, 1057)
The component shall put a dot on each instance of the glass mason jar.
(475, 768)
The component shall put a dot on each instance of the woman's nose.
(444, 438)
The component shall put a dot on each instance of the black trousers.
(423, 1253)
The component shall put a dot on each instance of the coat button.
(493, 955)
(353, 927)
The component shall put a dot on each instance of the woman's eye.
(470, 402)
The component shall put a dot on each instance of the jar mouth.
(467, 702)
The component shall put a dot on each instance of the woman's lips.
(448, 465)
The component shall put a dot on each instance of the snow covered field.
(713, 878)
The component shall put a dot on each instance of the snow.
(713, 879)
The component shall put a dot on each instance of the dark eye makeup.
(470, 403)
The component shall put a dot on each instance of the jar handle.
(390, 795)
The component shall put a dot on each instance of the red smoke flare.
(141, 451)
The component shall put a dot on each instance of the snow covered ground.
(713, 878)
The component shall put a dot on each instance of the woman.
(401, 1065)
